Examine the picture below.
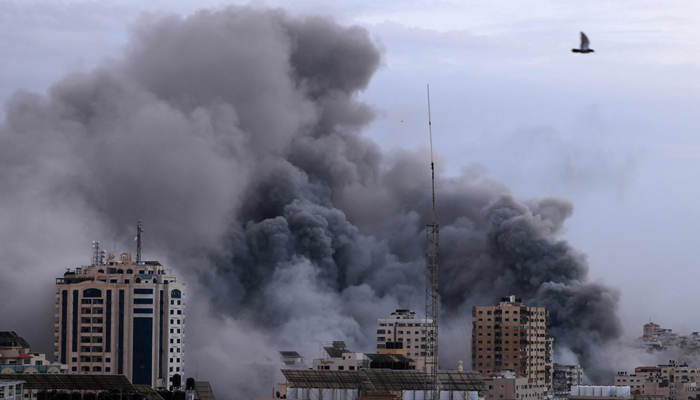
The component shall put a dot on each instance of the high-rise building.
(121, 317)
(511, 336)
(404, 333)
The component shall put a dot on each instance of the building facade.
(515, 337)
(404, 333)
(121, 317)
(16, 357)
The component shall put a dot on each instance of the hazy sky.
(614, 131)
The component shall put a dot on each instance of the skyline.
(513, 110)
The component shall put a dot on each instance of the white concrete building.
(404, 333)
(121, 317)
(11, 390)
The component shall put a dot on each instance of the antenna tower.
(432, 250)
(95, 253)
(98, 256)
(139, 231)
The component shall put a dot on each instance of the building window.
(108, 369)
(176, 294)
(74, 369)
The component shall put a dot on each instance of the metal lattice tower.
(432, 252)
(139, 231)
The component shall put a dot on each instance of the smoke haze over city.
(239, 135)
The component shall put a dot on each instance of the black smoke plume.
(236, 135)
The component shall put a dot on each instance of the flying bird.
(584, 45)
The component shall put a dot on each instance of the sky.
(613, 131)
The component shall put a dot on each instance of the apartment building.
(515, 337)
(121, 317)
(404, 333)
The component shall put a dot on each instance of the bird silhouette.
(584, 45)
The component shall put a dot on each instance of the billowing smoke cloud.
(236, 135)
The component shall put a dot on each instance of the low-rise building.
(337, 357)
(670, 380)
(505, 385)
(16, 357)
(11, 390)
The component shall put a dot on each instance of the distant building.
(17, 358)
(651, 330)
(565, 376)
(513, 337)
(404, 333)
(121, 317)
(673, 380)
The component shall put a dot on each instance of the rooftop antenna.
(98, 256)
(95, 253)
(432, 251)
(139, 231)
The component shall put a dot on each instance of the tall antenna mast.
(139, 231)
(432, 251)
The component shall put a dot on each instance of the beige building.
(506, 385)
(121, 317)
(511, 336)
(651, 330)
(404, 333)
(673, 380)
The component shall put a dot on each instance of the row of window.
(94, 359)
(84, 320)
(86, 368)
(91, 359)
(382, 339)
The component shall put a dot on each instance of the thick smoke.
(236, 135)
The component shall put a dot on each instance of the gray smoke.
(236, 135)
